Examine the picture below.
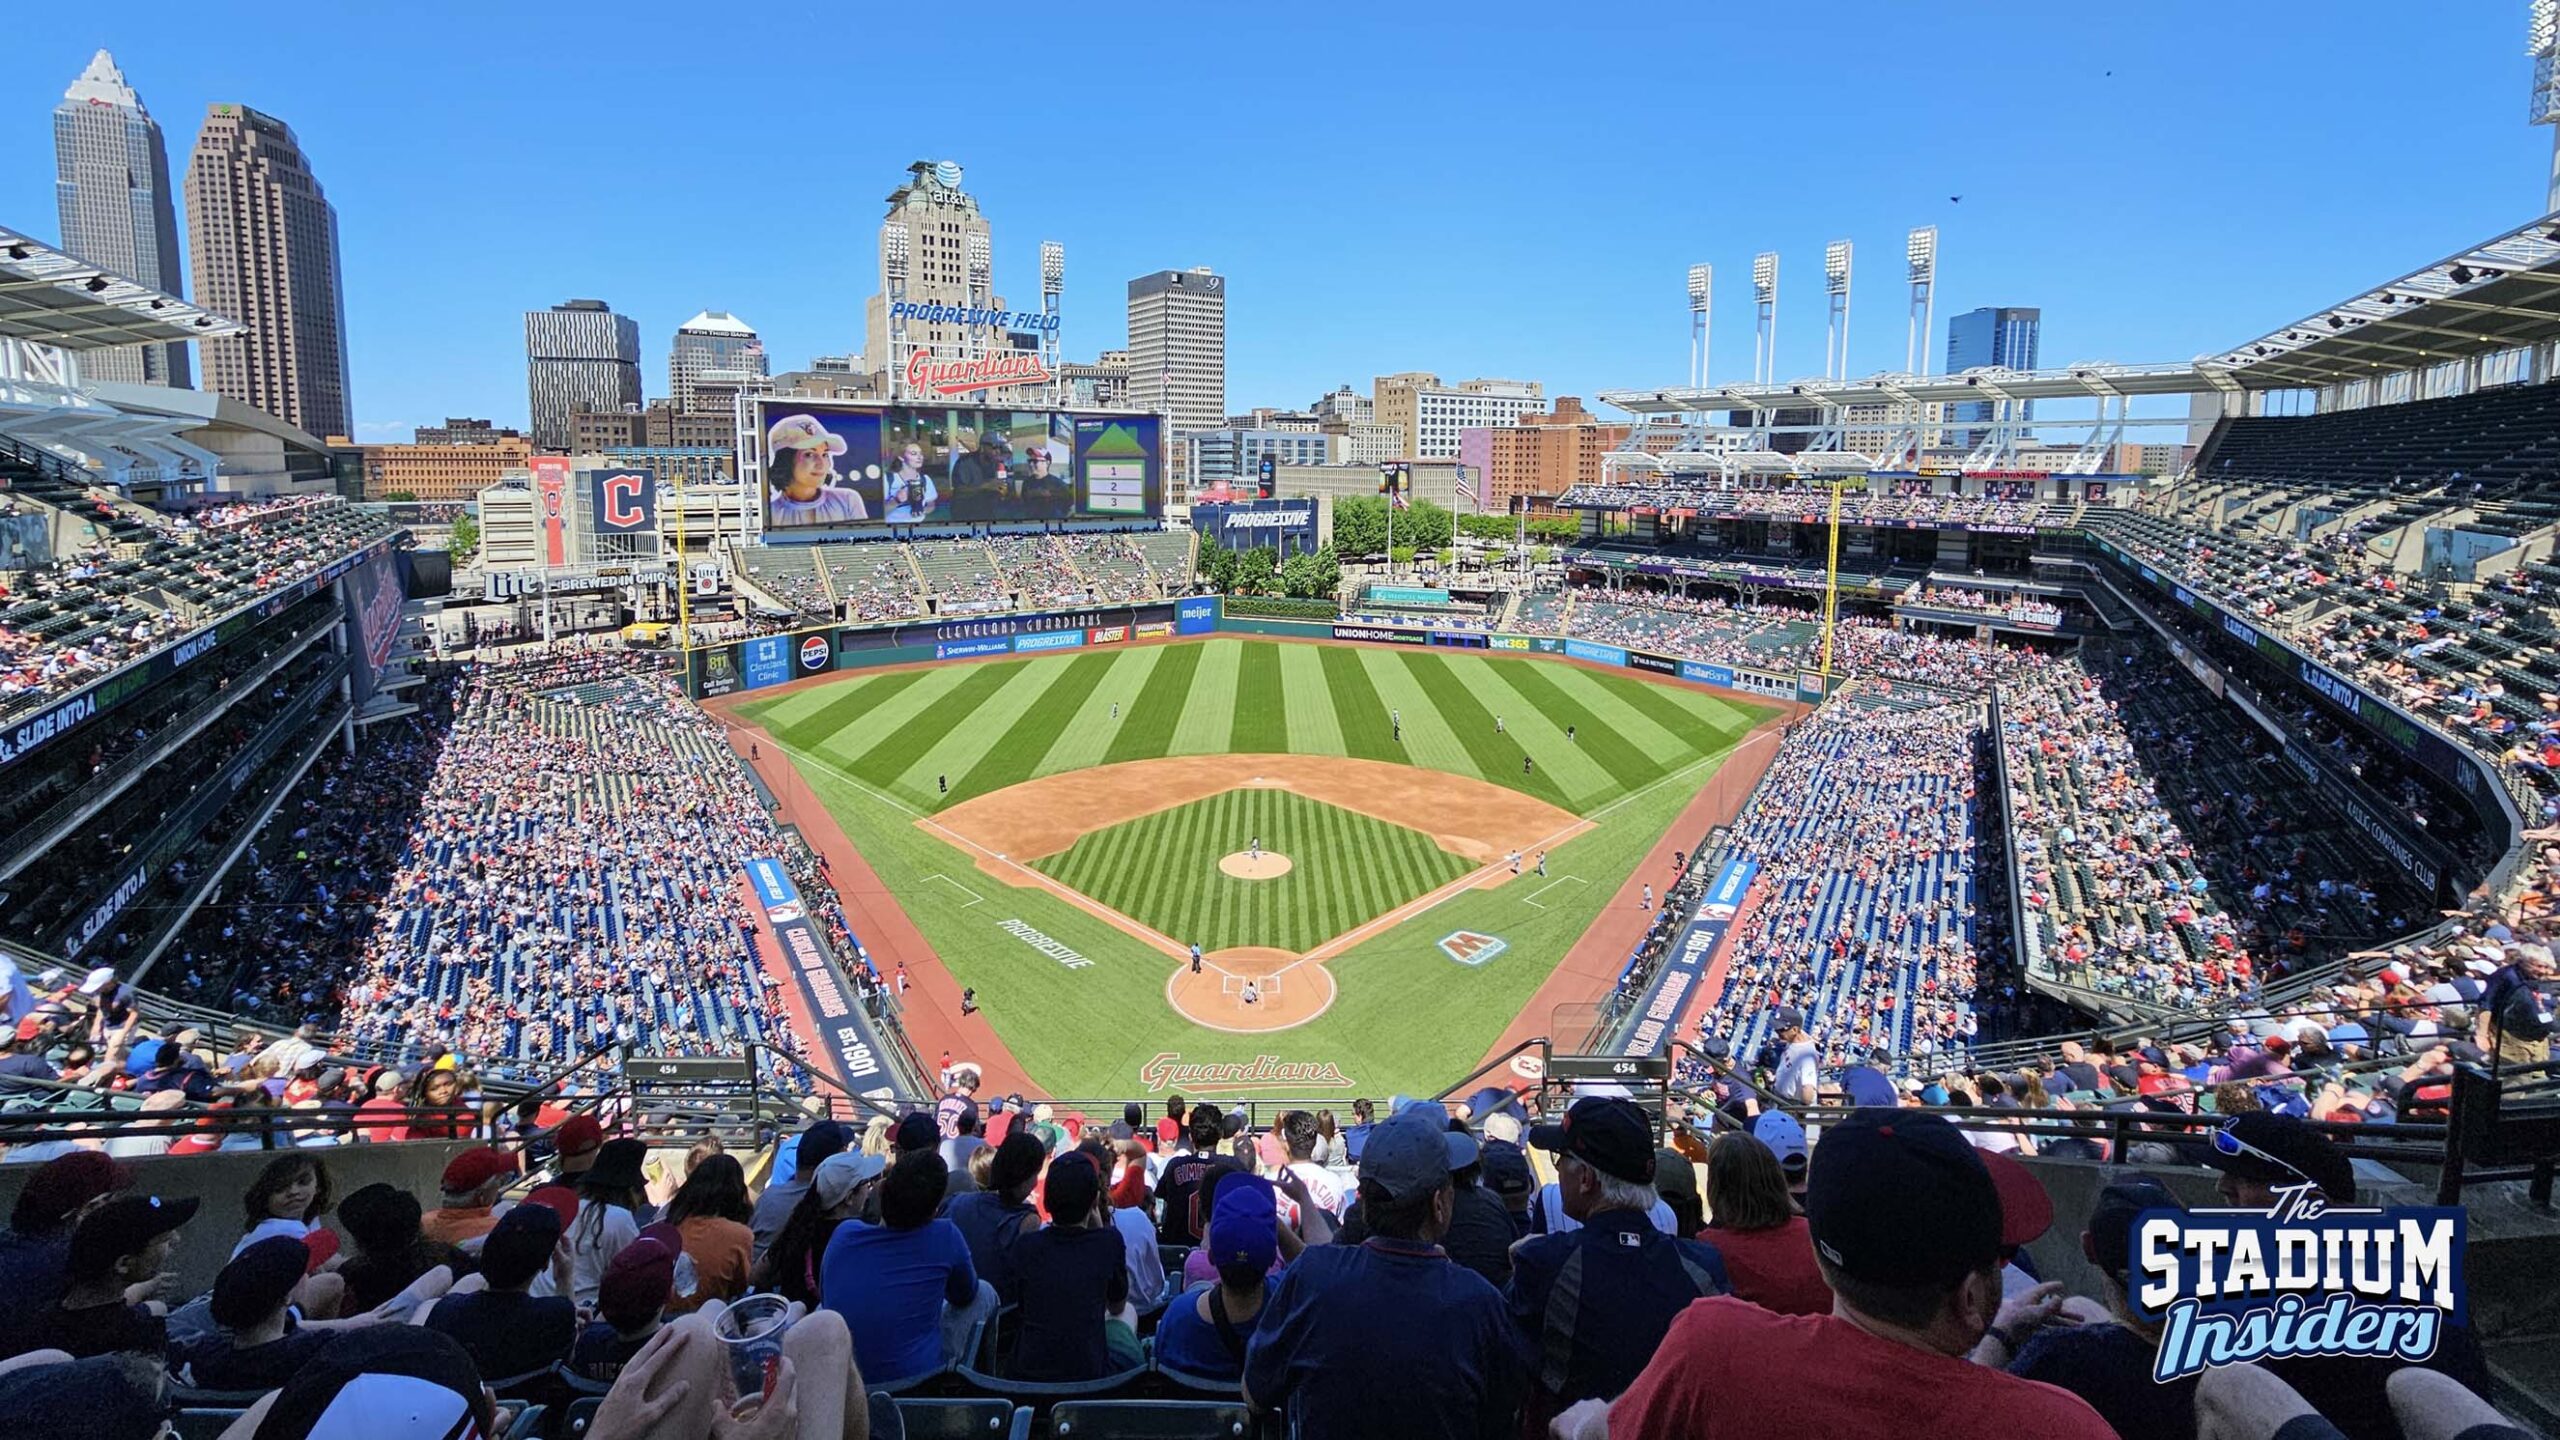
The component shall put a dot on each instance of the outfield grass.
(1162, 870)
(1406, 1016)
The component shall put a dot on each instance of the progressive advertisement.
(834, 468)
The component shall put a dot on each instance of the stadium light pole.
(1053, 283)
(2542, 42)
(1764, 293)
(981, 288)
(893, 264)
(1835, 329)
(1921, 250)
(1702, 289)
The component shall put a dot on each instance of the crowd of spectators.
(1036, 569)
(2012, 507)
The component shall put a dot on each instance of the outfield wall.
(712, 671)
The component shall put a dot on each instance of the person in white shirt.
(1297, 1132)
(609, 1197)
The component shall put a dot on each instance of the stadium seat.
(1150, 1420)
(203, 1424)
(580, 1415)
(1201, 1384)
(887, 1422)
(964, 1419)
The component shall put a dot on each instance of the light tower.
(1764, 296)
(982, 286)
(893, 264)
(1053, 280)
(1702, 291)
(2542, 42)
(1921, 249)
(1835, 328)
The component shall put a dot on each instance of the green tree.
(1257, 571)
(1360, 526)
(1425, 526)
(402, 497)
(466, 536)
(1328, 574)
(1222, 571)
(1298, 576)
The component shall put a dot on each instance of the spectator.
(287, 1199)
(631, 1300)
(37, 1248)
(1906, 1227)
(1073, 1276)
(1675, 1179)
(507, 1329)
(359, 1382)
(1133, 1215)
(905, 1287)
(710, 1212)
(957, 1147)
(992, 1219)
(846, 1184)
(1593, 1303)
(1204, 1332)
(260, 1345)
(390, 1249)
(610, 1197)
(2259, 1152)
(1768, 1253)
(1180, 1181)
(1299, 1133)
(1389, 1337)
(575, 1145)
(472, 1182)
(120, 1244)
(1784, 1135)
(822, 1139)
(2109, 1362)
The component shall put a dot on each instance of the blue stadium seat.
(989, 1418)
(1150, 1420)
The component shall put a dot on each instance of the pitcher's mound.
(1265, 866)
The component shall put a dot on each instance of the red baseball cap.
(580, 1134)
(472, 1169)
(2025, 1210)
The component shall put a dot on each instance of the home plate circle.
(1246, 865)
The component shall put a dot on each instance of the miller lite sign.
(626, 501)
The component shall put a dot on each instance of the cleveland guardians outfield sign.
(1169, 1071)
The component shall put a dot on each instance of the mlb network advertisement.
(830, 469)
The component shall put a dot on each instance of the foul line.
(1531, 899)
(974, 896)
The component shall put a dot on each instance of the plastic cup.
(751, 1330)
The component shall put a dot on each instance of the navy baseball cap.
(1406, 1155)
(1899, 1197)
(1606, 1133)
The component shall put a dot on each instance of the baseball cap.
(2282, 1150)
(915, 1132)
(380, 1382)
(1243, 1223)
(2111, 1220)
(1503, 1127)
(636, 1283)
(472, 1169)
(2025, 1210)
(258, 1281)
(61, 1185)
(1784, 1135)
(123, 1226)
(519, 1245)
(1018, 1160)
(1505, 1169)
(1074, 1184)
(1899, 1198)
(380, 1218)
(579, 1134)
(1672, 1173)
(839, 1174)
(560, 1200)
(1608, 1134)
(1407, 1154)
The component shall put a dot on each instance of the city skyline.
(1487, 277)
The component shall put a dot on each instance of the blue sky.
(1492, 189)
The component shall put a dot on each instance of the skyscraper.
(935, 249)
(1178, 346)
(716, 352)
(578, 353)
(262, 242)
(111, 183)
(2002, 335)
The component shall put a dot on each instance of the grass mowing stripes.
(1162, 870)
(811, 730)
(1367, 734)
(1664, 709)
(1017, 756)
(1626, 764)
(1262, 711)
(889, 758)
(1498, 756)
(1146, 728)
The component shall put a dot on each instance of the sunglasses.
(2227, 1143)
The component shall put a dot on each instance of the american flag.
(1467, 489)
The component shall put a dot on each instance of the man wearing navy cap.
(1594, 1302)
(1390, 1337)
(1905, 1225)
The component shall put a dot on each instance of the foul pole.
(1831, 587)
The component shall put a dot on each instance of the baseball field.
(1353, 836)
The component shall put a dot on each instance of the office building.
(692, 464)
(262, 243)
(1101, 385)
(1429, 414)
(1363, 442)
(1542, 454)
(1345, 404)
(578, 353)
(1235, 455)
(1432, 480)
(1178, 347)
(715, 355)
(2003, 336)
(459, 431)
(441, 472)
(1265, 417)
(935, 249)
(111, 185)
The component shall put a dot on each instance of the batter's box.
(1264, 986)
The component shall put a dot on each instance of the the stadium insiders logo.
(813, 653)
(1169, 1071)
(1470, 947)
(2300, 1278)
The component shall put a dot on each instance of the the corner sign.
(1470, 947)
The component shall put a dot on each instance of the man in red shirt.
(1906, 1229)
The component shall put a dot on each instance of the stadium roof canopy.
(2071, 382)
(2501, 294)
(52, 298)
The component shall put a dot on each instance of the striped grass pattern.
(1162, 870)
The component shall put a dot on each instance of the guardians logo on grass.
(2229, 1286)
(1169, 1071)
